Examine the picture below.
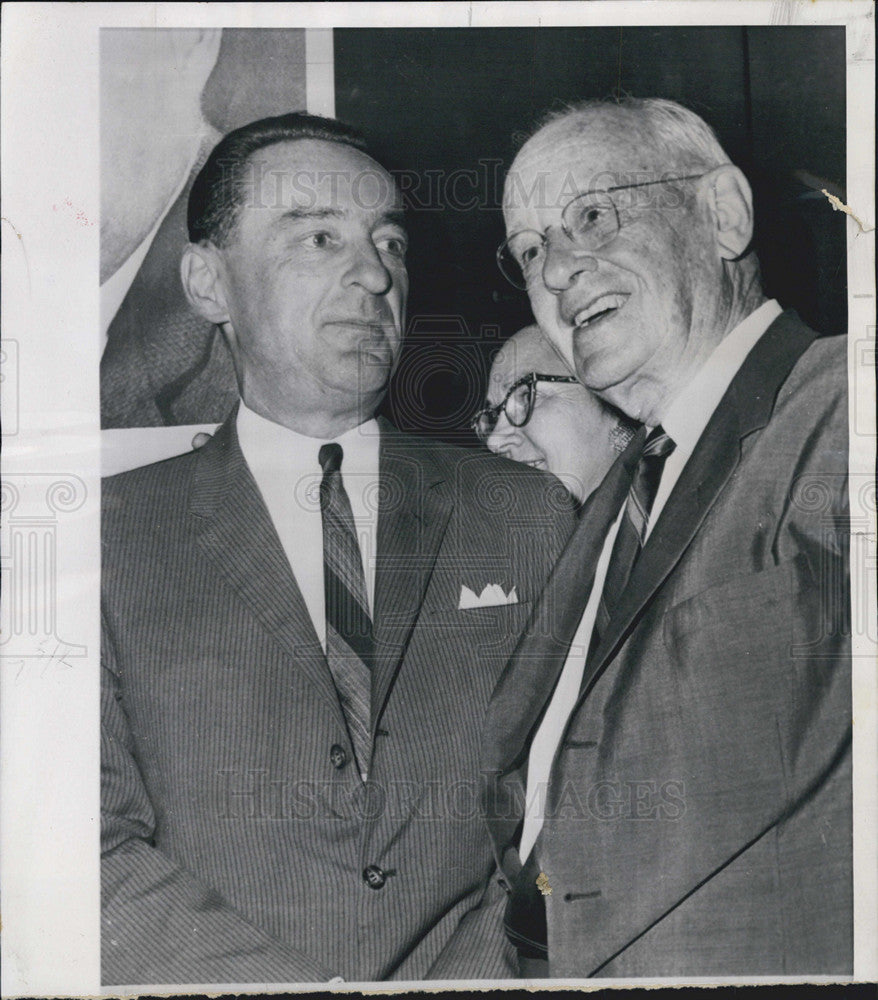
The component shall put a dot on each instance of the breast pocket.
(747, 614)
(487, 629)
(736, 673)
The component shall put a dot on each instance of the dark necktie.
(348, 625)
(633, 526)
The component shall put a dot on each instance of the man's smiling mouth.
(599, 308)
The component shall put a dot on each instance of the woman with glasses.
(538, 413)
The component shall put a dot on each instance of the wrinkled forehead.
(570, 156)
(318, 174)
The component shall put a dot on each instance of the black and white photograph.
(450, 465)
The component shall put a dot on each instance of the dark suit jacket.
(233, 848)
(699, 811)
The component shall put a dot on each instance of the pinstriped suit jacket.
(233, 849)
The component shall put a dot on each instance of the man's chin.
(586, 371)
(373, 368)
(595, 374)
(369, 384)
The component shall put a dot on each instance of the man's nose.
(368, 270)
(564, 263)
(504, 438)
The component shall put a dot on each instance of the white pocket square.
(491, 597)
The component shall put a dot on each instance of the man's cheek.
(560, 336)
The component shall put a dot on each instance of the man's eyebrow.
(293, 214)
(394, 218)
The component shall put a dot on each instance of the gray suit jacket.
(699, 813)
(233, 847)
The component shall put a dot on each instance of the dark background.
(453, 100)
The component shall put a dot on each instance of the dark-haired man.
(304, 619)
(685, 714)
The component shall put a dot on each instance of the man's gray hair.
(683, 139)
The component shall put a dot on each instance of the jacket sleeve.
(479, 948)
(160, 924)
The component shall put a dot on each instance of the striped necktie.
(349, 647)
(633, 526)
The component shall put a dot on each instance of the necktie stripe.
(348, 618)
(349, 641)
(632, 528)
(348, 570)
(356, 695)
(635, 513)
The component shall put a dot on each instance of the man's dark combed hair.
(220, 187)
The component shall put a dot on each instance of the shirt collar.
(270, 446)
(690, 412)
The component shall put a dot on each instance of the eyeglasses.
(590, 221)
(517, 404)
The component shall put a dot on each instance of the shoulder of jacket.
(148, 484)
(482, 481)
(816, 390)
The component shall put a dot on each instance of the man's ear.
(731, 202)
(201, 273)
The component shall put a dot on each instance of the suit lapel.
(235, 531)
(527, 682)
(746, 407)
(414, 507)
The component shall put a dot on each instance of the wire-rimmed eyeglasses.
(590, 221)
(517, 404)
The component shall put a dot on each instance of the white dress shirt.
(287, 472)
(685, 421)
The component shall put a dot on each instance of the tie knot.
(329, 457)
(658, 445)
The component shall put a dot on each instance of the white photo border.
(49, 815)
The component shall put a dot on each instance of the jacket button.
(338, 756)
(374, 877)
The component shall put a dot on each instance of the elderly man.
(304, 619)
(687, 710)
(541, 415)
